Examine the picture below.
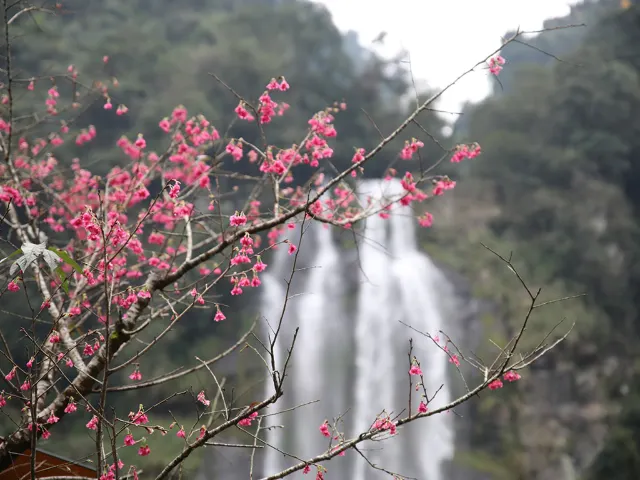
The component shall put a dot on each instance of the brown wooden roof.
(47, 465)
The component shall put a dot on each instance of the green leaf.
(66, 258)
(17, 252)
(63, 279)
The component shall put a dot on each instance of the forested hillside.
(164, 53)
(558, 186)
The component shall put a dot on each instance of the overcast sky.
(444, 37)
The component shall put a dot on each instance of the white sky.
(444, 38)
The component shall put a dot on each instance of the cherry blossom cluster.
(129, 226)
(495, 64)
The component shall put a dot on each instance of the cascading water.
(375, 358)
(321, 341)
(354, 358)
(418, 280)
(273, 295)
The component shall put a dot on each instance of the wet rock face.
(567, 415)
(562, 412)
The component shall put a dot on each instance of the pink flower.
(175, 189)
(52, 418)
(140, 142)
(324, 429)
(425, 220)
(136, 375)
(495, 64)
(511, 376)
(13, 286)
(292, 249)
(496, 384)
(181, 433)
(139, 418)
(236, 290)
(415, 370)
(165, 125)
(93, 423)
(463, 151)
(242, 112)
(144, 450)
(410, 148)
(272, 85)
(219, 316)
(422, 408)
(358, 156)
(129, 440)
(238, 219)
(385, 424)
(246, 422)
(71, 407)
(235, 150)
(203, 400)
(259, 266)
(144, 294)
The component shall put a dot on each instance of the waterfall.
(273, 296)
(352, 354)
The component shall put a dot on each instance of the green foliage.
(557, 185)
(560, 158)
(620, 456)
(484, 463)
(66, 258)
(164, 54)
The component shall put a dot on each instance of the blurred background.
(557, 184)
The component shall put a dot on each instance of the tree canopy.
(562, 165)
